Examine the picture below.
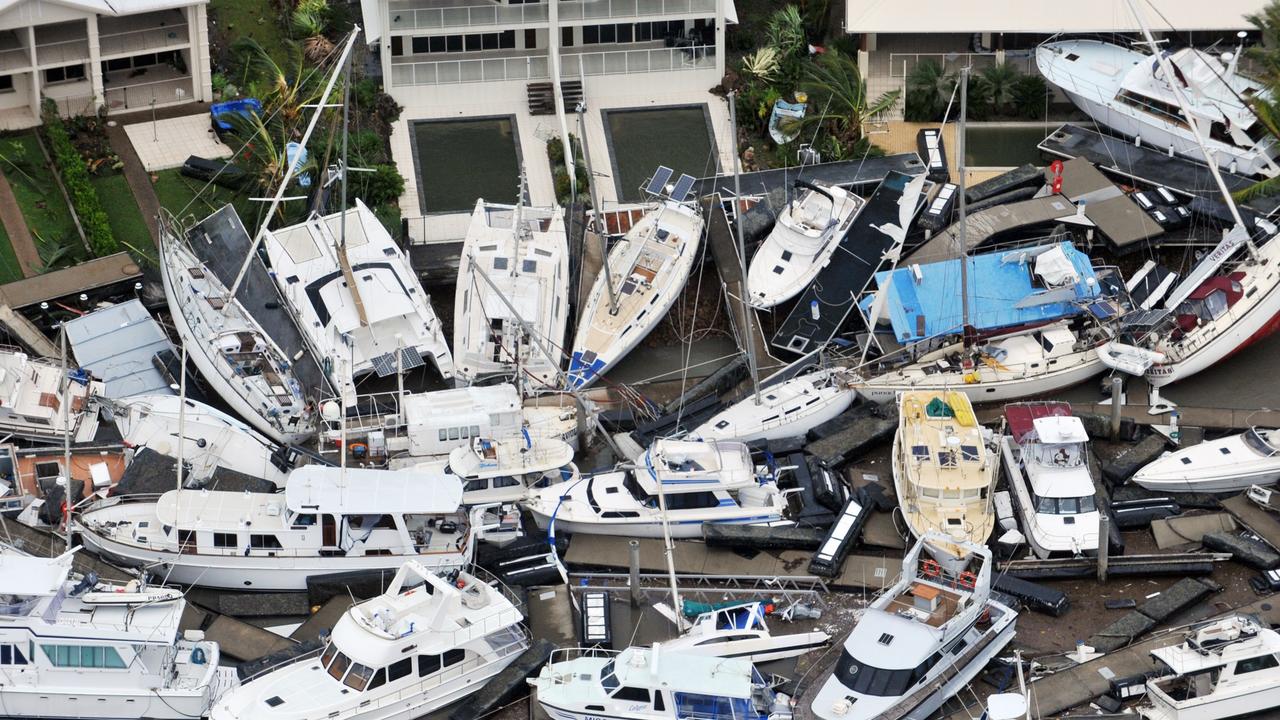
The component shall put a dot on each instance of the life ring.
(931, 569)
(967, 580)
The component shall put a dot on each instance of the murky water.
(460, 161)
(1004, 145)
(644, 139)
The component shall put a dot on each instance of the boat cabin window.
(866, 679)
(1254, 664)
(12, 655)
(301, 520)
(359, 676)
(692, 705)
(475, 485)
(379, 679)
(264, 542)
(1065, 506)
(658, 704)
(83, 656)
(1259, 444)
(399, 669)
(692, 501)
(338, 665)
(428, 664)
(630, 694)
(224, 540)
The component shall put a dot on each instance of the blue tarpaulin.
(923, 301)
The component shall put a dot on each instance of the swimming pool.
(459, 161)
(1004, 144)
(642, 139)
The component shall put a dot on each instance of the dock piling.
(1104, 547)
(633, 547)
(1117, 405)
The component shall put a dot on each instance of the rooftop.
(1009, 16)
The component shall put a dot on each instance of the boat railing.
(492, 581)
(569, 654)
(283, 663)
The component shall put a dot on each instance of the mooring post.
(1104, 540)
(1117, 383)
(634, 547)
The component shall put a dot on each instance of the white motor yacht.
(235, 356)
(327, 520)
(1221, 669)
(807, 232)
(740, 631)
(74, 648)
(210, 438)
(1124, 88)
(647, 271)
(790, 408)
(1046, 458)
(359, 303)
(944, 474)
(702, 482)
(500, 471)
(931, 630)
(511, 307)
(1228, 464)
(428, 641)
(31, 395)
(642, 683)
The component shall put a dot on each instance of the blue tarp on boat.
(1006, 289)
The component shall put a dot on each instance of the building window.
(530, 39)
(421, 45)
(566, 37)
(6, 83)
(397, 45)
(68, 73)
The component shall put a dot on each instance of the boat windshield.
(866, 679)
(1062, 455)
(696, 706)
(1065, 505)
(607, 679)
(1260, 443)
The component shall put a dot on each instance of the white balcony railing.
(605, 9)
(15, 59)
(621, 62)
(445, 72)
(404, 17)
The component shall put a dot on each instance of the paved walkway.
(167, 143)
(24, 246)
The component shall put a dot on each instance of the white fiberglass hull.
(1161, 135)
(652, 528)
(759, 649)
(798, 407)
(116, 703)
(239, 572)
(1256, 323)
(1044, 541)
(885, 388)
(1213, 707)
(198, 349)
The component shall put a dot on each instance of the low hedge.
(71, 166)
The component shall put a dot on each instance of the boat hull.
(1212, 484)
(986, 392)
(1261, 320)
(46, 702)
(235, 572)
(680, 529)
(794, 417)
(197, 348)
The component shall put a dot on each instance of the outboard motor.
(87, 583)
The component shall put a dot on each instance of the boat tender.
(1221, 669)
(1228, 464)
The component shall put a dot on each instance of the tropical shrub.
(74, 171)
(1030, 93)
(929, 89)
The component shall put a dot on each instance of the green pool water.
(459, 161)
(1003, 145)
(641, 140)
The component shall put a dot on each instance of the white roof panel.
(27, 576)
(371, 492)
(1060, 429)
(1014, 16)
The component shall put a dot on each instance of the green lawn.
(127, 223)
(43, 205)
(9, 269)
(177, 192)
(239, 18)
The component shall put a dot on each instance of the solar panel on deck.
(384, 365)
(659, 180)
(683, 186)
(410, 358)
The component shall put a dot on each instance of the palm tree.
(1266, 105)
(310, 20)
(835, 85)
(929, 89)
(1000, 82)
(786, 31)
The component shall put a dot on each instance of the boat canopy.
(317, 488)
(1060, 430)
(27, 576)
(1006, 289)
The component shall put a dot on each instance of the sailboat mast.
(66, 434)
(182, 412)
(346, 124)
(669, 547)
(749, 330)
(598, 211)
(293, 166)
(964, 242)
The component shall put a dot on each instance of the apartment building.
(87, 54)
(533, 62)
(893, 37)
